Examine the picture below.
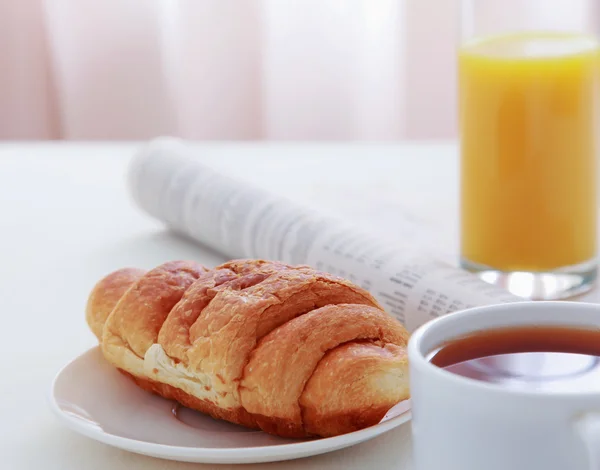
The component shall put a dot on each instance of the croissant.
(287, 349)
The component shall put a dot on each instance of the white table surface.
(66, 220)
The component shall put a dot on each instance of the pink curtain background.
(228, 69)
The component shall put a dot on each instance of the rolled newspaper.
(172, 184)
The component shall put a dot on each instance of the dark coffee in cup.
(542, 358)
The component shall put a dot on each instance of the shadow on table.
(148, 250)
(390, 451)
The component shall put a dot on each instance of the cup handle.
(587, 427)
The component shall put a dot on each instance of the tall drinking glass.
(528, 88)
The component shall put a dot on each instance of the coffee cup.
(464, 423)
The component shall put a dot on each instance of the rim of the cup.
(419, 360)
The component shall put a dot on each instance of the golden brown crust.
(105, 295)
(372, 375)
(285, 359)
(141, 312)
(254, 342)
(226, 333)
(174, 336)
(236, 275)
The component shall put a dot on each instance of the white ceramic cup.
(463, 424)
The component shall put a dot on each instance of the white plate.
(93, 398)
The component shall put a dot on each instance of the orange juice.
(528, 151)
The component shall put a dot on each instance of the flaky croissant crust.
(286, 349)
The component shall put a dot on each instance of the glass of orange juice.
(528, 121)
